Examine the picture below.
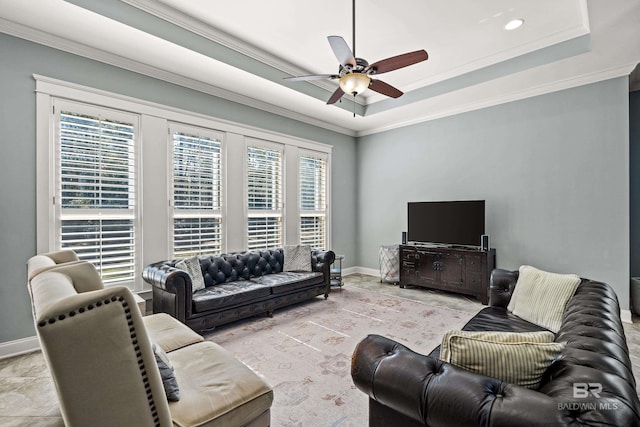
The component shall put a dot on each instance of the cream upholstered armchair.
(98, 348)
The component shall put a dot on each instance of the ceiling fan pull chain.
(354, 102)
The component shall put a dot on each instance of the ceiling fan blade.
(336, 96)
(312, 77)
(396, 62)
(385, 89)
(342, 51)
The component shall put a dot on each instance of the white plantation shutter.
(264, 196)
(96, 181)
(313, 200)
(197, 191)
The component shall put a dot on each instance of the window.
(209, 186)
(197, 191)
(264, 196)
(95, 196)
(313, 202)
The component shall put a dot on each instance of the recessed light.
(512, 25)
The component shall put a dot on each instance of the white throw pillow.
(297, 258)
(192, 266)
(541, 297)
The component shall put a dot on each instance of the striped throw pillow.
(495, 336)
(541, 297)
(516, 362)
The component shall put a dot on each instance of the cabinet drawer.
(473, 263)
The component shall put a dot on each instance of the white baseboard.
(18, 347)
(361, 270)
(625, 315)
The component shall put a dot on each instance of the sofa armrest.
(321, 261)
(171, 290)
(436, 393)
(501, 286)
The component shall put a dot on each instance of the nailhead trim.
(134, 342)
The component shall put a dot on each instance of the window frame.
(315, 213)
(219, 213)
(279, 212)
(58, 213)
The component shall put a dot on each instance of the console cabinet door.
(428, 267)
(452, 270)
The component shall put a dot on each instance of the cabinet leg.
(401, 285)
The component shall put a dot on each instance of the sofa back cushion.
(217, 269)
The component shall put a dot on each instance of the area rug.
(305, 350)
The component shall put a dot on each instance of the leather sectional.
(591, 383)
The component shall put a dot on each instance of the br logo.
(582, 390)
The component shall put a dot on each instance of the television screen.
(453, 223)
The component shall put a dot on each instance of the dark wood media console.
(460, 270)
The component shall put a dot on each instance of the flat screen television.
(449, 223)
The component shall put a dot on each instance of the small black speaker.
(404, 237)
(484, 242)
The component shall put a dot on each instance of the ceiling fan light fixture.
(354, 83)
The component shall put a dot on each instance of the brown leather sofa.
(409, 389)
(237, 285)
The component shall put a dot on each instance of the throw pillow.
(166, 372)
(297, 258)
(520, 363)
(541, 297)
(192, 266)
(496, 336)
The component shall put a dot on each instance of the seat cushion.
(169, 333)
(216, 389)
(228, 295)
(288, 281)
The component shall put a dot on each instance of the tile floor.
(27, 396)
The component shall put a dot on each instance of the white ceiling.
(241, 50)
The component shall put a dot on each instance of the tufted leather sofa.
(409, 389)
(237, 285)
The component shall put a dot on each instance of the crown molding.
(503, 98)
(69, 46)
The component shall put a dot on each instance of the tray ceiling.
(241, 50)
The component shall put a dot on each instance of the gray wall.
(554, 170)
(21, 59)
(634, 198)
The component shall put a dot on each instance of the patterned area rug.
(305, 350)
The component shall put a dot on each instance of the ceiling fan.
(354, 74)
